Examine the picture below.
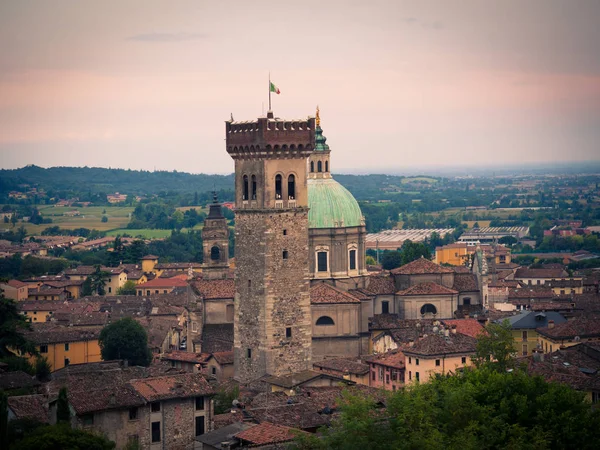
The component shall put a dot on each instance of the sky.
(400, 84)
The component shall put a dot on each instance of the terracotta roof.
(39, 305)
(178, 355)
(427, 288)
(16, 284)
(222, 420)
(157, 328)
(540, 273)
(531, 292)
(163, 283)
(361, 294)
(351, 366)
(584, 327)
(461, 269)
(394, 359)
(180, 266)
(435, 344)
(268, 433)
(29, 407)
(217, 338)
(51, 333)
(296, 379)
(291, 414)
(325, 293)
(391, 321)
(381, 285)
(223, 358)
(149, 257)
(215, 289)
(468, 327)
(465, 282)
(17, 380)
(172, 386)
(421, 266)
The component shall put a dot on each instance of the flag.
(273, 88)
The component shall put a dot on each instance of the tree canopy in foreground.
(477, 409)
(125, 339)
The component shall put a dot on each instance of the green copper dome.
(320, 140)
(331, 205)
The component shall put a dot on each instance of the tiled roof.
(325, 293)
(39, 305)
(16, 284)
(540, 273)
(352, 366)
(296, 379)
(215, 289)
(178, 355)
(381, 285)
(50, 333)
(149, 257)
(394, 359)
(465, 282)
(391, 321)
(468, 327)
(30, 407)
(157, 328)
(332, 396)
(531, 292)
(427, 288)
(267, 433)
(532, 320)
(298, 415)
(163, 283)
(584, 327)
(421, 266)
(461, 269)
(16, 380)
(436, 344)
(180, 266)
(223, 358)
(172, 386)
(361, 294)
(217, 338)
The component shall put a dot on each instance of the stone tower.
(215, 243)
(272, 325)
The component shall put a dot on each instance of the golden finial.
(318, 118)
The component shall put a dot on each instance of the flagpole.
(269, 91)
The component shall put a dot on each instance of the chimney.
(411, 342)
(453, 329)
(551, 324)
(467, 314)
(447, 333)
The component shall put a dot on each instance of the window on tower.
(326, 166)
(312, 166)
(319, 166)
(278, 194)
(322, 261)
(291, 187)
(215, 253)
(253, 187)
(245, 193)
(352, 259)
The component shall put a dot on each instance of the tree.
(63, 413)
(60, 436)
(125, 339)
(508, 240)
(127, 289)
(12, 326)
(370, 261)
(224, 399)
(479, 408)
(391, 260)
(98, 281)
(3, 419)
(42, 368)
(495, 346)
(104, 219)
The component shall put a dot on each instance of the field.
(143, 233)
(418, 180)
(482, 223)
(90, 217)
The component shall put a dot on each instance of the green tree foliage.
(60, 437)
(224, 399)
(125, 339)
(127, 289)
(97, 282)
(42, 368)
(412, 251)
(508, 240)
(30, 266)
(478, 409)
(495, 346)
(104, 219)
(391, 259)
(63, 412)
(12, 326)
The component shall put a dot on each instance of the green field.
(90, 217)
(418, 179)
(145, 233)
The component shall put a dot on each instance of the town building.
(567, 334)
(15, 290)
(524, 329)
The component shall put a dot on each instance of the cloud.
(167, 37)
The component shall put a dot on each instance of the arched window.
(245, 193)
(253, 187)
(312, 166)
(326, 166)
(319, 166)
(325, 320)
(278, 187)
(291, 187)
(215, 253)
(428, 308)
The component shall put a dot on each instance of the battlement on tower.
(268, 136)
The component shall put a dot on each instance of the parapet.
(269, 136)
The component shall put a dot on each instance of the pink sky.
(148, 84)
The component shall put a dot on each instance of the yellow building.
(148, 263)
(524, 329)
(65, 345)
(437, 353)
(39, 311)
(459, 253)
(566, 286)
(15, 289)
(348, 369)
(557, 336)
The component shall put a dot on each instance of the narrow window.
(43, 349)
(133, 413)
(312, 166)
(155, 407)
(385, 307)
(67, 347)
(249, 284)
(463, 360)
(417, 361)
(155, 431)
(373, 375)
(291, 187)
(352, 259)
(214, 371)
(467, 301)
(524, 335)
(215, 253)
(253, 187)
(67, 362)
(437, 362)
(409, 375)
(326, 166)
(288, 332)
(249, 353)
(417, 376)
(245, 193)
(409, 360)
(199, 403)
(109, 290)
(278, 194)
(284, 232)
(285, 254)
(319, 166)
(199, 425)
(322, 261)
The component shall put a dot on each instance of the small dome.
(331, 205)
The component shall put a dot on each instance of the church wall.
(378, 304)
(338, 242)
(336, 347)
(405, 281)
(444, 304)
(346, 317)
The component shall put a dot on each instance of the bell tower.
(215, 243)
(272, 322)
